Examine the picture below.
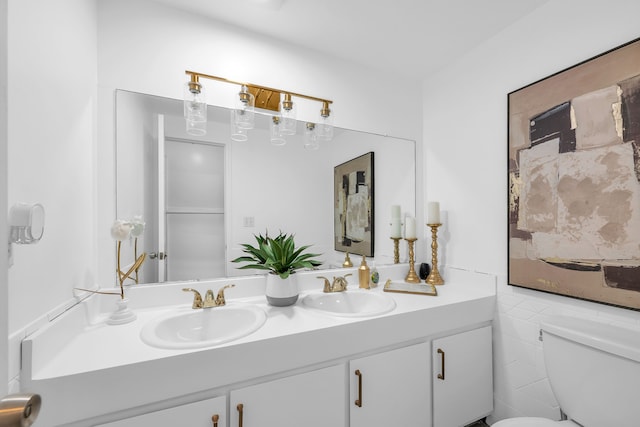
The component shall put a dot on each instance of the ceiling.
(411, 38)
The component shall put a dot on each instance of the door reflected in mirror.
(202, 197)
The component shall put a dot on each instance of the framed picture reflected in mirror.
(353, 205)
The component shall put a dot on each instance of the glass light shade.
(244, 110)
(310, 138)
(287, 116)
(276, 132)
(195, 109)
(196, 128)
(324, 128)
(237, 133)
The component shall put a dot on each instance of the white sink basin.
(360, 303)
(203, 327)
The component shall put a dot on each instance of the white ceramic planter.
(281, 292)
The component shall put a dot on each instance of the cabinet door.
(198, 414)
(462, 378)
(391, 388)
(312, 399)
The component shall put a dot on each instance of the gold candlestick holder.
(396, 249)
(434, 277)
(412, 277)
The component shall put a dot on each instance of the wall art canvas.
(353, 205)
(574, 181)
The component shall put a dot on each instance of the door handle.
(215, 419)
(441, 374)
(240, 409)
(359, 399)
(160, 255)
(19, 409)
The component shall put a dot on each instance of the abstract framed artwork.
(574, 181)
(353, 205)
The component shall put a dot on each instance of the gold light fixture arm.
(195, 75)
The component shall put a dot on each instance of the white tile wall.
(521, 387)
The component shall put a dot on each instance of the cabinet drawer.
(198, 414)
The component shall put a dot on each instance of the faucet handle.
(197, 298)
(327, 286)
(220, 298)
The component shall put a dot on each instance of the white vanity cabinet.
(391, 388)
(462, 377)
(311, 399)
(444, 382)
(298, 369)
(205, 413)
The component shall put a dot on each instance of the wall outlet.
(249, 221)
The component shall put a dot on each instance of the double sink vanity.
(353, 358)
(185, 328)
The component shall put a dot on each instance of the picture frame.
(353, 205)
(574, 181)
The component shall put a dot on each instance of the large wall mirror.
(202, 197)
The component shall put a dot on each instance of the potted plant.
(280, 257)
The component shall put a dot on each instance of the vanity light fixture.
(253, 96)
(277, 137)
(195, 107)
(325, 125)
(244, 111)
(288, 115)
(237, 133)
(310, 137)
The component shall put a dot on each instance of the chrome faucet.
(339, 283)
(209, 301)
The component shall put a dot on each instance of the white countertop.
(104, 368)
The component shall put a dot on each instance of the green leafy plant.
(278, 255)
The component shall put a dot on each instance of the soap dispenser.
(364, 274)
(347, 261)
(375, 276)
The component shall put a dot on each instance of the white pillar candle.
(396, 228)
(395, 211)
(433, 213)
(410, 228)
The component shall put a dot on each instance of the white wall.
(4, 288)
(465, 134)
(52, 79)
(146, 47)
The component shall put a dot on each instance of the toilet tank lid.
(614, 339)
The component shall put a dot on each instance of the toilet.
(594, 372)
